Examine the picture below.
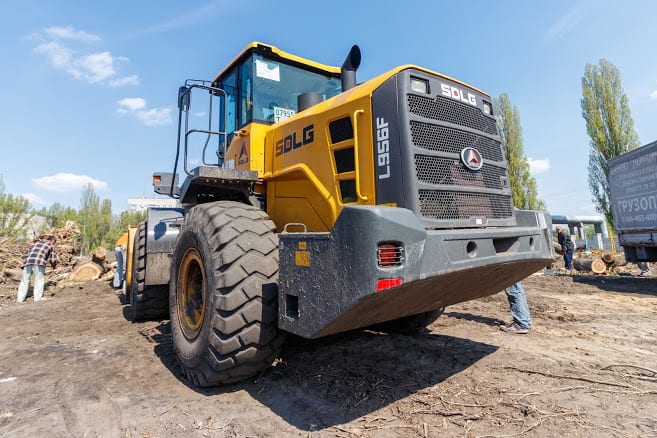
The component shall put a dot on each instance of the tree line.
(98, 227)
(609, 125)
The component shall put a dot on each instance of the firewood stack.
(67, 247)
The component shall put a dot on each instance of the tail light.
(389, 255)
(387, 283)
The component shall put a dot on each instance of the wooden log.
(595, 265)
(582, 265)
(100, 253)
(598, 266)
(619, 260)
(608, 258)
(109, 275)
(85, 272)
(13, 274)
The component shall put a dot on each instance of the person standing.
(120, 252)
(36, 258)
(567, 247)
(522, 320)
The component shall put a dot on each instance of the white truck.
(633, 186)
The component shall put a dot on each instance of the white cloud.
(131, 104)
(94, 67)
(136, 106)
(155, 116)
(126, 80)
(59, 56)
(200, 114)
(653, 95)
(69, 33)
(564, 23)
(68, 182)
(34, 199)
(538, 166)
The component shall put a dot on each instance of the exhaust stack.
(349, 67)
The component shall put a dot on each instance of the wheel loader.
(312, 204)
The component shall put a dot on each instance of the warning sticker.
(302, 258)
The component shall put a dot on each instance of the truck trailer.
(633, 196)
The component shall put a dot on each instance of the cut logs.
(85, 272)
(595, 265)
(608, 258)
(598, 266)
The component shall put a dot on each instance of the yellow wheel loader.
(313, 204)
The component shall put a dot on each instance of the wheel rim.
(191, 294)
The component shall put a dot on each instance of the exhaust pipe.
(349, 67)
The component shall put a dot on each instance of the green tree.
(120, 225)
(523, 184)
(15, 214)
(88, 215)
(57, 215)
(609, 124)
(104, 220)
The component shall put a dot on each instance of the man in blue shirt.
(36, 258)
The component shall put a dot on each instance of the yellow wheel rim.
(190, 292)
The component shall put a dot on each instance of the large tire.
(223, 294)
(146, 302)
(408, 324)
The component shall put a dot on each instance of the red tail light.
(389, 255)
(387, 283)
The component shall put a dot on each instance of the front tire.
(146, 302)
(223, 295)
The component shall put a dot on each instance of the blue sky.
(90, 87)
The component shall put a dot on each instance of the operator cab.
(262, 85)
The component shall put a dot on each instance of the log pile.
(70, 266)
(603, 263)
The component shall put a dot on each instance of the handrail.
(221, 152)
(358, 194)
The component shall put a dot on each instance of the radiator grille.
(446, 171)
(449, 110)
(442, 139)
(460, 205)
(457, 193)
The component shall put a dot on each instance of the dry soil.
(74, 366)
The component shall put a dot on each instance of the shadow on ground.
(493, 322)
(637, 285)
(321, 383)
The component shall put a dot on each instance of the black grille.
(443, 139)
(446, 171)
(459, 205)
(451, 111)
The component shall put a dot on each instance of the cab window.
(276, 87)
(229, 85)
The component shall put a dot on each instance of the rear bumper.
(328, 280)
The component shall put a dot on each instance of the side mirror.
(184, 98)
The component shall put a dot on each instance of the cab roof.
(274, 53)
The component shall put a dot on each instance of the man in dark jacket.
(36, 258)
(567, 247)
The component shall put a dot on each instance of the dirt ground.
(74, 366)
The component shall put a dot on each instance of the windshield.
(276, 87)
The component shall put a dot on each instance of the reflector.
(387, 283)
